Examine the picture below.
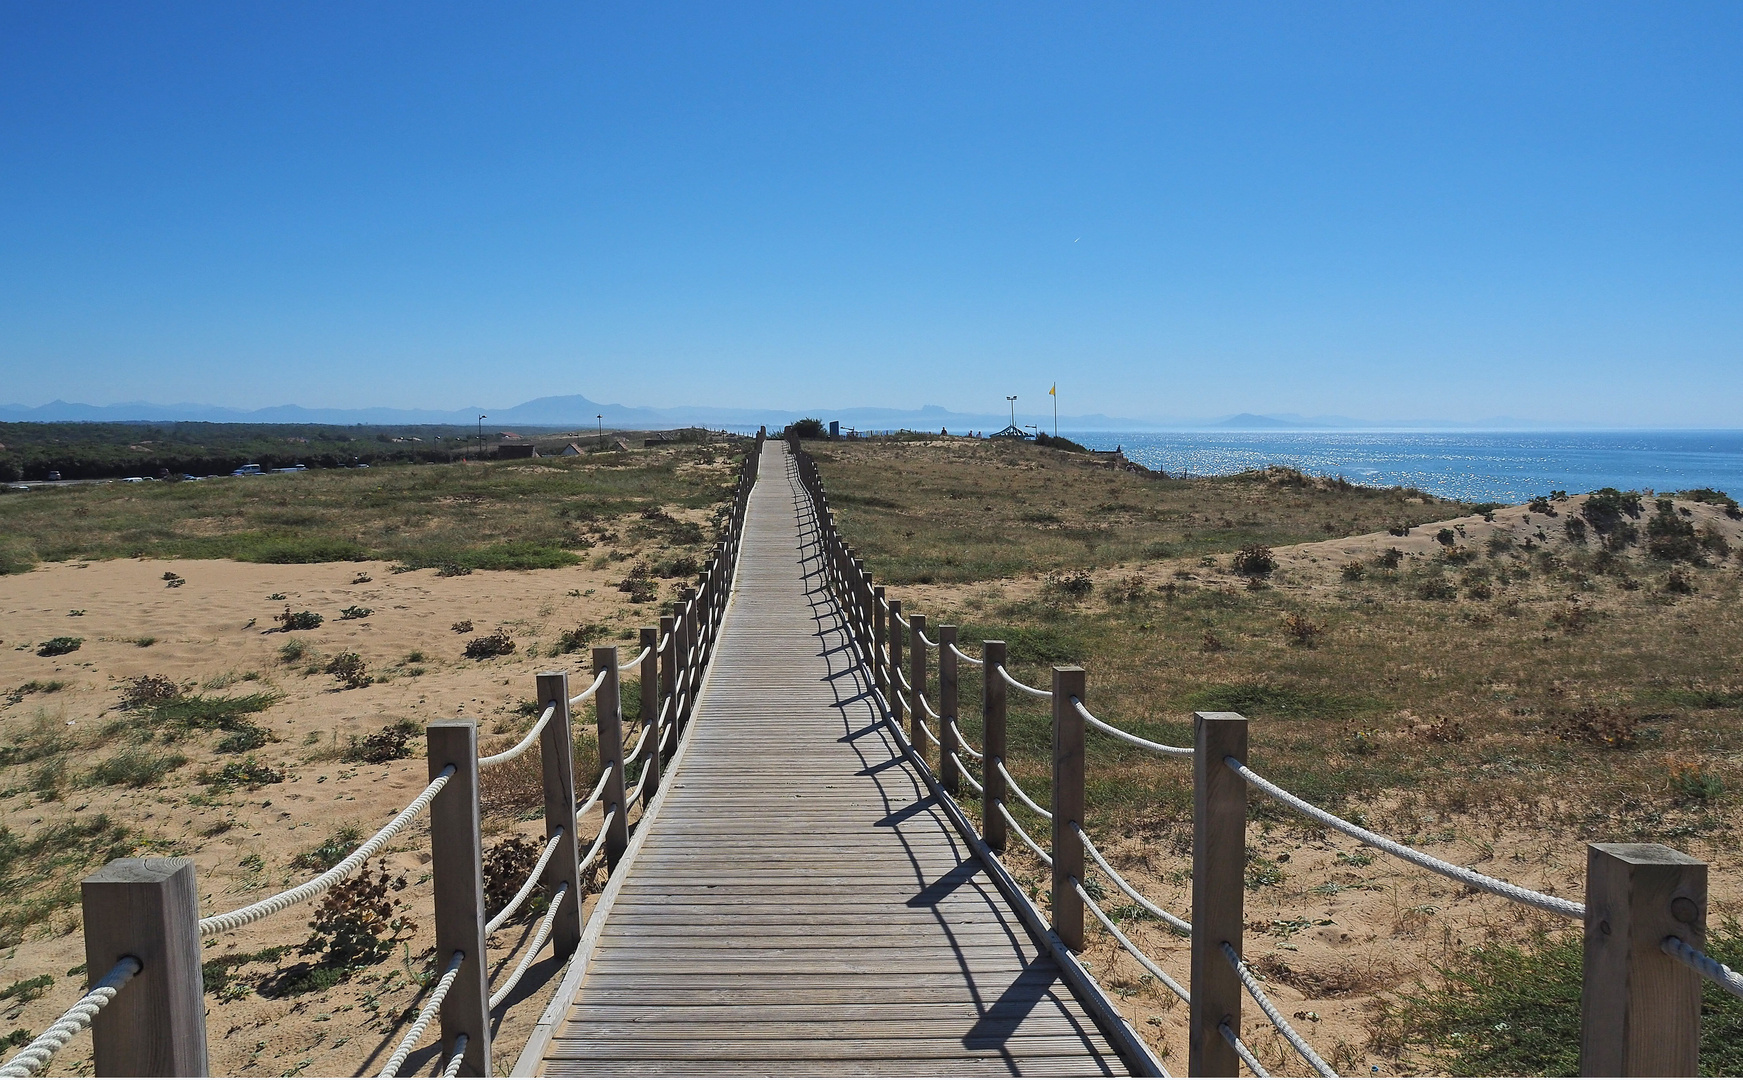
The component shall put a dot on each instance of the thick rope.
(1246, 1055)
(962, 771)
(521, 747)
(425, 1015)
(1271, 1013)
(1026, 838)
(902, 680)
(930, 644)
(308, 890)
(459, 1058)
(1022, 796)
(635, 754)
(33, 1058)
(1469, 877)
(598, 791)
(965, 658)
(1011, 681)
(1706, 965)
(962, 743)
(628, 667)
(590, 691)
(526, 889)
(533, 950)
(1126, 943)
(598, 844)
(927, 705)
(1126, 736)
(1126, 887)
(634, 798)
(927, 730)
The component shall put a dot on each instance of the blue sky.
(1377, 210)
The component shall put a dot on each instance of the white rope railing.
(452, 1069)
(635, 753)
(1245, 974)
(1727, 979)
(927, 706)
(308, 890)
(34, 1058)
(521, 747)
(1040, 853)
(963, 744)
(1022, 796)
(634, 797)
(629, 666)
(965, 658)
(526, 889)
(1011, 681)
(930, 644)
(967, 778)
(590, 691)
(1241, 1051)
(922, 726)
(533, 949)
(425, 1015)
(598, 790)
(1126, 943)
(1126, 887)
(1126, 736)
(598, 844)
(1517, 894)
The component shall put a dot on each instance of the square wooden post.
(457, 866)
(557, 761)
(992, 713)
(148, 909)
(1219, 862)
(680, 665)
(692, 663)
(608, 709)
(650, 702)
(669, 666)
(1068, 682)
(896, 673)
(918, 676)
(877, 628)
(1640, 1008)
(949, 750)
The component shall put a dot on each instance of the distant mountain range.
(576, 412)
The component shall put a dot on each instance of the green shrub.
(575, 640)
(355, 612)
(1255, 560)
(292, 651)
(59, 646)
(248, 773)
(1714, 497)
(1605, 508)
(350, 669)
(256, 548)
(243, 738)
(331, 851)
(388, 744)
(359, 920)
(1446, 538)
(496, 644)
(289, 620)
(1389, 559)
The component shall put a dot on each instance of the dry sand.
(216, 630)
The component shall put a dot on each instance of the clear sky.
(1382, 210)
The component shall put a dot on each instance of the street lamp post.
(481, 419)
(601, 418)
(1012, 398)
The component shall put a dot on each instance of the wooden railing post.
(1068, 682)
(557, 760)
(1219, 861)
(896, 673)
(650, 700)
(917, 675)
(992, 712)
(148, 909)
(608, 708)
(693, 642)
(680, 664)
(457, 867)
(949, 749)
(1640, 1008)
(877, 628)
(668, 664)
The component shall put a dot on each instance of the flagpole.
(1056, 410)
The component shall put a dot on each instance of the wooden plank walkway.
(797, 903)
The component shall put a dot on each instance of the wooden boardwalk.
(796, 902)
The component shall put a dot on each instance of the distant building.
(570, 450)
(1009, 431)
(523, 450)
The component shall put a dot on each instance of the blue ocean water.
(1487, 466)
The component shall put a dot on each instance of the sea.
(1486, 466)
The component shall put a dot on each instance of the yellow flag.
(1055, 391)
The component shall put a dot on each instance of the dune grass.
(511, 515)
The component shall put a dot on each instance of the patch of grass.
(331, 851)
(38, 874)
(59, 646)
(26, 990)
(388, 744)
(134, 768)
(35, 686)
(1514, 1010)
(1263, 701)
(205, 713)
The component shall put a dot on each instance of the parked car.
(249, 470)
(53, 475)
